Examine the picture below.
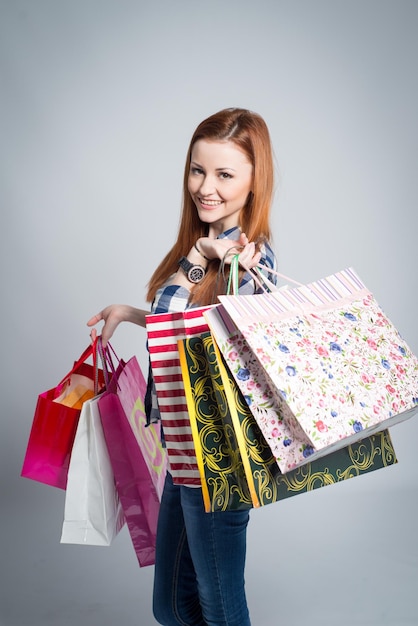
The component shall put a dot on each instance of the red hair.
(250, 133)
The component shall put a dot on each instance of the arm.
(218, 248)
(112, 316)
(207, 249)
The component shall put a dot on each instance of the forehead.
(219, 154)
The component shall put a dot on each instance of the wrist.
(196, 257)
(197, 247)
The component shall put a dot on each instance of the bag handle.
(264, 283)
(88, 352)
(256, 273)
(222, 273)
(233, 278)
(259, 267)
(94, 350)
(105, 354)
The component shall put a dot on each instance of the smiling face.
(219, 181)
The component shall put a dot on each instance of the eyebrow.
(218, 169)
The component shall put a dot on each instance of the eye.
(225, 175)
(197, 171)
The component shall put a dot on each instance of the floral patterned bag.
(320, 364)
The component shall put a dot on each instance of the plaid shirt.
(173, 298)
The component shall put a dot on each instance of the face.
(219, 182)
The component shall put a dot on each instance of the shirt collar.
(231, 233)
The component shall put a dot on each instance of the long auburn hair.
(249, 132)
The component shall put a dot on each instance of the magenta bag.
(136, 454)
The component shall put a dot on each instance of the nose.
(207, 186)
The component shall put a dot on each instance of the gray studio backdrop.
(98, 101)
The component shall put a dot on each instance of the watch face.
(196, 274)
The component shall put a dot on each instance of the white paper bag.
(93, 514)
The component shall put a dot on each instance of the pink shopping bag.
(137, 456)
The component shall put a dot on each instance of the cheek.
(192, 186)
(243, 191)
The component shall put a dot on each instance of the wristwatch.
(194, 273)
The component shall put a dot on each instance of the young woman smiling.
(227, 195)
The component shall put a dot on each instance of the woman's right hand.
(225, 249)
(112, 316)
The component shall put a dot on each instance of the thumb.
(93, 335)
(95, 319)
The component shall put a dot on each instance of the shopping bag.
(235, 462)
(290, 447)
(338, 368)
(55, 422)
(93, 514)
(137, 456)
(164, 330)
(253, 383)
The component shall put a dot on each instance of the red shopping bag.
(136, 454)
(164, 330)
(55, 423)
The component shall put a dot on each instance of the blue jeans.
(200, 560)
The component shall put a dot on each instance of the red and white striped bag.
(164, 330)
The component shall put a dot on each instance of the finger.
(95, 319)
(230, 253)
(256, 259)
(248, 252)
(249, 258)
(93, 335)
(108, 330)
(106, 337)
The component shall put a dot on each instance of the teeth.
(211, 202)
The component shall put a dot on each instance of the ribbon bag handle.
(257, 273)
(258, 277)
(265, 283)
(88, 352)
(233, 278)
(259, 267)
(105, 354)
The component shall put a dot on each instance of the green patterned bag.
(236, 466)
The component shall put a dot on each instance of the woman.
(227, 195)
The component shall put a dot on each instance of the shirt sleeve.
(171, 298)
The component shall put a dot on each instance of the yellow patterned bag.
(236, 465)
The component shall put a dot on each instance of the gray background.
(98, 103)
